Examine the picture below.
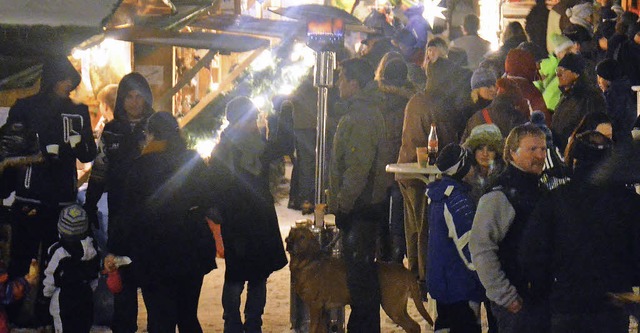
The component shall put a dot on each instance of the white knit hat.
(560, 43)
(579, 14)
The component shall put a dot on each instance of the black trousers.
(125, 304)
(458, 317)
(359, 250)
(33, 231)
(173, 303)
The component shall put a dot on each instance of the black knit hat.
(573, 62)
(608, 69)
(538, 119)
(454, 161)
(591, 147)
(162, 125)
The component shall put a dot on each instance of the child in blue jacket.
(451, 277)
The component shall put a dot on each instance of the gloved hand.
(342, 219)
(92, 215)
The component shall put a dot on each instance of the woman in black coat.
(171, 246)
(246, 212)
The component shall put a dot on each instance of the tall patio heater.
(326, 27)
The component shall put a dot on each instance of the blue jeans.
(253, 309)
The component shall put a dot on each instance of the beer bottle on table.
(432, 145)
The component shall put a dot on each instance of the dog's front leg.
(316, 320)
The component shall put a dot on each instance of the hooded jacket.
(520, 67)
(55, 120)
(394, 99)
(119, 145)
(418, 25)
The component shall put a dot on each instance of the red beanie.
(520, 63)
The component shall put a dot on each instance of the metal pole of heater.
(323, 80)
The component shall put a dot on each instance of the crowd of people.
(533, 215)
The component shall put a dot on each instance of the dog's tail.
(417, 300)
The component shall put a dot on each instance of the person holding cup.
(121, 142)
(42, 190)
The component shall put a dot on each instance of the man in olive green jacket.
(357, 188)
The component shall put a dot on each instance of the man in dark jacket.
(579, 97)
(618, 97)
(240, 184)
(42, 190)
(580, 244)
(496, 233)
(357, 188)
(120, 144)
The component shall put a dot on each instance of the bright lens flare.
(204, 147)
(263, 61)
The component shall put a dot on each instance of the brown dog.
(321, 282)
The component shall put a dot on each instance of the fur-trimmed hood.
(406, 90)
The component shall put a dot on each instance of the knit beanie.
(578, 33)
(240, 109)
(454, 160)
(608, 69)
(485, 135)
(579, 14)
(538, 119)
(591, 147)
(73, 223)
(538, 53)
(162, 125)
(395, 72)
(607, 14)
(520, 63)
(560, 43)
(483, 77)
(573, 62)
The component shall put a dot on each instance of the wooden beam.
(186, 77)
(227, 81)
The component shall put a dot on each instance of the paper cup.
(74, 140)
(423, 156)
(53, 149)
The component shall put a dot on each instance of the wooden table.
(414, 171)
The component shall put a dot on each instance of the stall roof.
(79, 13)
(32, 30)
(244, 24)
(223, 43)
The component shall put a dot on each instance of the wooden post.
(186, 77)
(223, 85)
